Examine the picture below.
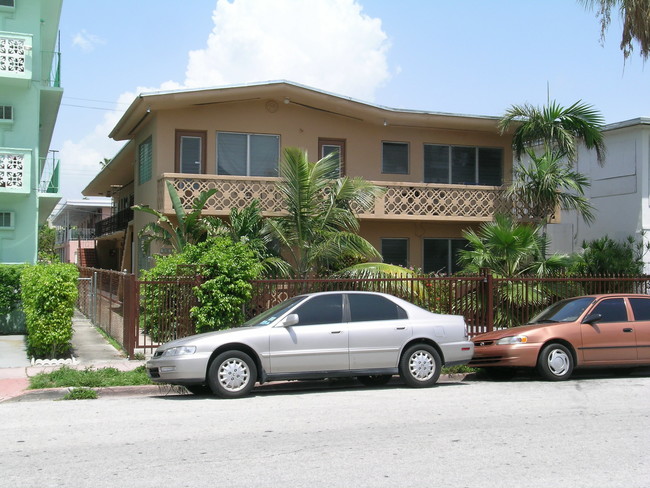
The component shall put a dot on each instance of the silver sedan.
(322, 335)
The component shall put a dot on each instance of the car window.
(270, 315)
(563, 311)
(641, 308)
(373, 307)
(612, 310)
(323, 309)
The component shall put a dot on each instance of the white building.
(620, 190)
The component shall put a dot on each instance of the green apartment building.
(30, 96)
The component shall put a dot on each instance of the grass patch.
(460, 369)
(89, 378)
(81, 394)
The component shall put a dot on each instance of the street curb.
(157, 390)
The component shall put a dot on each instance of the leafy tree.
(227, 269)
(46, 242)
(636, 22)
(189, 228)
(548, 183)
(606, 256)
(556, 128)
(321, 224)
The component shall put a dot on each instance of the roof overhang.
(292, 93)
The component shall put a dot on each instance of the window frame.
(450, 251)
(3, 110)
(408, 158)
(144, 177)
(323, 142)
(403, 239)
(450, 165)
(12, 220)
(200, 134)
(248, 152)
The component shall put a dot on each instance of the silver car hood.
(211, 337)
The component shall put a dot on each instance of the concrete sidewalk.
(91, 350)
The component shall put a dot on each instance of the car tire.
(199, 389)
(232, 374)
(420, 366)
(374, 380)
(555, 363)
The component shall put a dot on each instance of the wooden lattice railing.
(401, 201)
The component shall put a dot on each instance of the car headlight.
(518, 339)
(179, 351)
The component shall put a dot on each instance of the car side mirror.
(592, 318)
(291, 319)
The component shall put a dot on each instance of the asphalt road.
(589, 432)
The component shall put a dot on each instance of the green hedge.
(12, 320)
(227, 269)
(49, 294)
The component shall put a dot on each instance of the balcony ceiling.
(118, 173)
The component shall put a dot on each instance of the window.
(145, 161)
(6, 112)
(612, 310)
(7, 3)
(395, 158)
(441, 255)
(247, 154)
(6, 220)
(395, 251)
(641, 308)
(190, 152)
(324, 309)
(463, 165)
(330, 146)
(372, 307)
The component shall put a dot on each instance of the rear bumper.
(456, 353)
(516, 355)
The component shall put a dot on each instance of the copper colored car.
(589, 331)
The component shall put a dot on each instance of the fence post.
(489, 296)
(130, 325)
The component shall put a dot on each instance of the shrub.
(9, 287)
(226, 268)
(606, 256)
(12, 319)
(49, 293)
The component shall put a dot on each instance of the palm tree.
(190, 227)
(555, 128)
(321, 224)
(508, 250)
(636, 22)
(548, 183)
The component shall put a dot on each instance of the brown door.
(611, 339)
(329, 146)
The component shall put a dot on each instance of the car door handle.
(628, 329)
(401, 328)
(335, 332)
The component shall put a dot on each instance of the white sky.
(468, 56)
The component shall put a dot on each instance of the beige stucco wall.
(302, 127)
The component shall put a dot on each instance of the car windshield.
(564, 311)
(268, 316)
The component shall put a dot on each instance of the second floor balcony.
(116, 223)
(401, 201)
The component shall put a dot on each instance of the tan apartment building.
(443, 172)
